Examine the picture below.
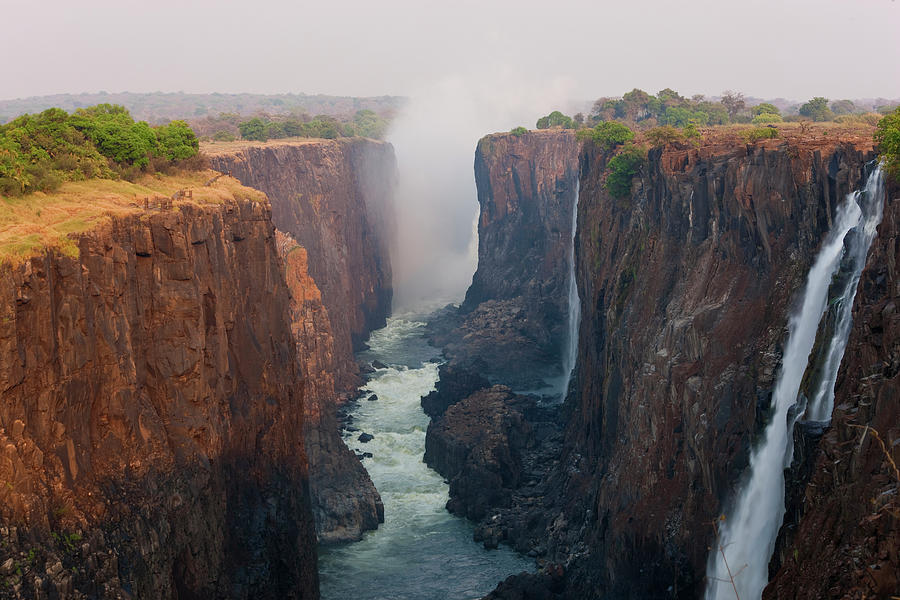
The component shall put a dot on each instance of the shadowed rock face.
(345, 502)
(151, 414)
(513, 320)
(686, 287)
(332, 198)
(847, 542)
(335, 198)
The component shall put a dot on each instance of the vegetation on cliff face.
(887, 136)
(40, 152)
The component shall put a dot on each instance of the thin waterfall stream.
(574, 314)
(739, 561)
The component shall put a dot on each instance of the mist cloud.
(435, 138)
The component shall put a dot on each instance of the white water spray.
(574, 321)
(870, 200)
(747, 537)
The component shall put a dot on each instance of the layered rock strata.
(151, 413)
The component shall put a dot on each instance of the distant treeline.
(643, 111)
(39, 152)
(162, 107)
(228, 127)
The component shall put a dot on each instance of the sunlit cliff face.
(437, 209)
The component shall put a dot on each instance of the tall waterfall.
(870, 200)
(574, 320)
(747, 536)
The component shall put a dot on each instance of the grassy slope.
(32, 223)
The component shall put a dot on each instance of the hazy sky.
(790, 48)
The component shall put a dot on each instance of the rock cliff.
(345, 502)
(686, 286)
(335, 198)
(332, 198)
(512, 324)
(847, 543)
(151, 413)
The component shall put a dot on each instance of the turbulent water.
(574, 320)
(421, 551)
(748, 535)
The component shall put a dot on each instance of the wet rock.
(455, 384)
(379, 365)
(365, 438)
(373, 398)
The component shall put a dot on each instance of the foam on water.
(421, 551)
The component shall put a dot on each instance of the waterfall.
(747, 536)
(870, 200)
(574, 320)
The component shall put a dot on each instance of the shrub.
(622, 168)
(763, 118)
(887, 136)
(759, 133)
(665, 135)
(765, 109)
(817, 109)
(609, 134)
(555, 119)
(254, 129)
(519, 131)
(223, 135)
(176, 141)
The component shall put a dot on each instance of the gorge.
(184, 399)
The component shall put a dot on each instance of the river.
(421, 551)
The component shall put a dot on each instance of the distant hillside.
(159, 107)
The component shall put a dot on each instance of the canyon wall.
(345, 502)
(847, 542)
(512, 324)
(686, 286)
(151, 412)
(333, 199)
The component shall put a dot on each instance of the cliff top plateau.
(41, 220)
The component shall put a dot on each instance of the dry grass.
(213, 148)
(32, 223)
(807, 134)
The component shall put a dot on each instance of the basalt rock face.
(151, 413)
(847, 543)
(345, 502)
(686, 287)
(513, 321)
(477, 445)
(335, 198)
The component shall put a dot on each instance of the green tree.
(555, 119)
(519, 131)
(176, 141)
(764, 118)
(609, 134)
(843, 107)
(765, 108)
(817, 109)
(254, 129)
(887, 137)
(622, 168)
